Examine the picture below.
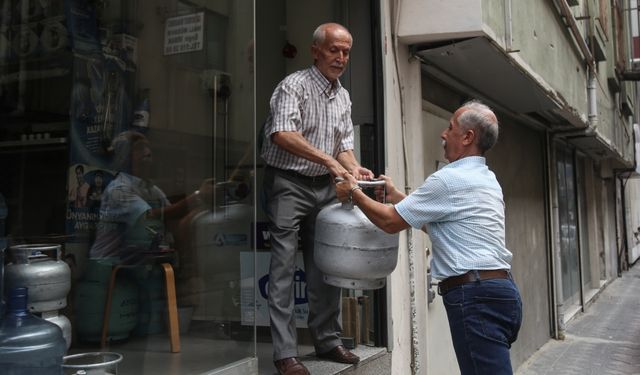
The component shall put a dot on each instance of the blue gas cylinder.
(29, 344)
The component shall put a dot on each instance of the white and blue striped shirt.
(462, 209)
(305, 101)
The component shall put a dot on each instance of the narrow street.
(603, 340)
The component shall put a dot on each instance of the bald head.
(336, 29)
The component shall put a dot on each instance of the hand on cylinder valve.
(345, 187)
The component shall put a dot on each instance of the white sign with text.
(184, 34)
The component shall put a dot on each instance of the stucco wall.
(543, 47)
(540, 44)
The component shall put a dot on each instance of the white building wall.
(402, 105)
(543, 50)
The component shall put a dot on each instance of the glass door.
(568, 224)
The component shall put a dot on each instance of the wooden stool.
(172, 306)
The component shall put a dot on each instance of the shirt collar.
(467, 160)
(324, 84)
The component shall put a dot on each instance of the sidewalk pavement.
(603, 340)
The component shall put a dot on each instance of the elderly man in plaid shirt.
(308, 141)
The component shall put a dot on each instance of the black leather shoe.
(290, 366)
(340, 354)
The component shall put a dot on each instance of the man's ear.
(469, 137)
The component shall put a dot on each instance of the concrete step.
(373, 361)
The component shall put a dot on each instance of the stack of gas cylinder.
(47, 278)
(30, 344)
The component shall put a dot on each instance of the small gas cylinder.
(350, 250)
(47, 277)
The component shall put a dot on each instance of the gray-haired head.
(320, 34)
(480, 117)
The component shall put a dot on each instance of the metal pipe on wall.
(565, 12)
(592, 102)
(508, 26)
(415, 341)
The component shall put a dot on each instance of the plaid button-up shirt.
(307, 102)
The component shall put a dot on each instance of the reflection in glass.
(128, 137)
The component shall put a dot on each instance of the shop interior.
(194, 78)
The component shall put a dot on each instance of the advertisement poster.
(86, 185)
(100, 109)
(250, 289)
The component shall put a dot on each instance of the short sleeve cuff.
(401, 209)
(346, 145)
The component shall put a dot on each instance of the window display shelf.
(33, 142)
(56, 58)
(34, 74)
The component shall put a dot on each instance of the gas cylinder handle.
(23, 253)
(348, 205)
(371, 183)
(374, 183)
(364, 183)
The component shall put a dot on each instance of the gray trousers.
(293, 202)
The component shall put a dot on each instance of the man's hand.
(343, 188)
(362, 174)
(392, 194)
(335, 168)
(207, 190)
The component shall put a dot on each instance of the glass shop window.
(127, 138)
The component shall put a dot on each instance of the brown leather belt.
(451, 282)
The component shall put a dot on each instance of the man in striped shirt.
(461, 207)
(308, 141)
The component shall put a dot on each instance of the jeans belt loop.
(476, 274)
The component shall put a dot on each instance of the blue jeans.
(484, 319)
